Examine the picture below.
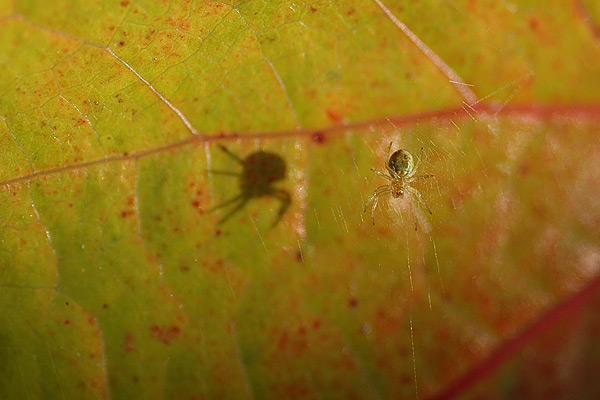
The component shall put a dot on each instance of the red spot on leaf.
(67, 322)
(387, 325)
(313, 9)
(128, 344)
(525, 169)
(533, 24)
(333, 115)
(316, 324)
(127, 213)
(318, 138)
(124, 3)
(165, 334)
(196, 203)
(283, 341)
(121, 43)
(353, 302)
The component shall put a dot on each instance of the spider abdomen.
(401, 162)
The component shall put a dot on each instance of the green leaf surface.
(183, 185)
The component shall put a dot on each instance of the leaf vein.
(580, 112)
(461, 87)
(173, 108)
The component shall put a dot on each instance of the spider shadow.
(260, 171)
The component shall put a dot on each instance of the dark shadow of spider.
(260, 170)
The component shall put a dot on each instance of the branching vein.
(461, 87)
(173, 108)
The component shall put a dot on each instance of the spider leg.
(239, 206)
(418, 199)
(393, 174)
(378, 192)
(285, 199)
(368, 203)
(374, 199)
(387, 155)
(239, 197)
(419, 177)
(390, 171)
(226, 202)
(382, 174)
(230, 154)
(418, 160)
(376, 202)
(416, 194)
(373, 209)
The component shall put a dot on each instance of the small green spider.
(401, 169)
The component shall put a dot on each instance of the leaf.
(149, 150)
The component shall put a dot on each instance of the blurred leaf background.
(118, 281)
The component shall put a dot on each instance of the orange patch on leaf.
(165, 334)
(128, 344)
(334, 115)
(127, 213)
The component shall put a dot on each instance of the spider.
(401, 169)
(259, 171)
